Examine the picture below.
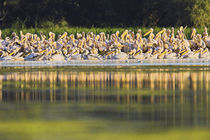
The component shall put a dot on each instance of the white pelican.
(120, 55)
(206, 38)
(75, 55)
(139, 55)
(205, 54)
(170, 55)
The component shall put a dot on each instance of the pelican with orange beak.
(148, 32)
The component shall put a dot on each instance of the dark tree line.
(101, 13)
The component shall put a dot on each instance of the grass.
(74, 30)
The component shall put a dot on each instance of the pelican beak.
(183, 51)
(155, 52)
(117, 34)
(197, 51)
(186, 51)
(64, 35)
(42, 51)
(204, 51)
(111, 53)
(11, 53)
(124, 34)
(131, 52)
(193, 33)
(162, 31)
(149, 51)
(69, 52)
(163, 53)
(185, 28)
(148, 32)
(139, 52)
(75, 53)
(22, 40)
(71, 37)
(48, 52)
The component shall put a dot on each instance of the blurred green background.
(103, 13)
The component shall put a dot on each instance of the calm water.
(104, 103)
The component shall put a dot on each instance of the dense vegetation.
(74, 30)
(103, 13)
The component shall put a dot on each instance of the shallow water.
(99, 103)
(129, 62)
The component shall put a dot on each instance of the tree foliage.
(101, 13)
(201, 13)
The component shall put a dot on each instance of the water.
(129, 62)
(100, 103)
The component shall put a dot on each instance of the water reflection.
(106, 87)
(141, 98)
(73, 103)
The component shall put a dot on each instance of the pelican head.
(137, 36)
(117, 33)
(140, 32)
(172, 31)
(14, 34)
(83, 34)
(162, 31)
(148, 32)
(181, 28)
(79, 36)
(205, 34)
(193, 33)
(124, 34)
(199, 37)
(64, 35)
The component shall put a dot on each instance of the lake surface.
(105, 103)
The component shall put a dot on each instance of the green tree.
(200, 14)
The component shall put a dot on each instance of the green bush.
(75, 30)
(200, 14)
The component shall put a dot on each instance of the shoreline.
(102, 63)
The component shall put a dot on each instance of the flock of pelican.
(129, 45)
